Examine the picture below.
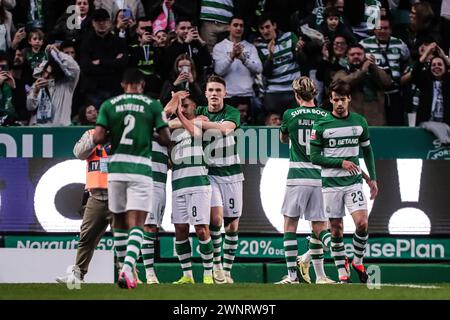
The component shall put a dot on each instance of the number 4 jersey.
(297, 123)
(131, 120)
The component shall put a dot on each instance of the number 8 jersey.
(131, 120)
(297, 123)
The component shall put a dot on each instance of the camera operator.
(147, 58)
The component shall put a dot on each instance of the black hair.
(132, 76)
(265, 17)
(239, 17)
(355, 45)
(340, 87)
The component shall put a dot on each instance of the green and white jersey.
(217, 10)
(131, 120)
(372, 13)
(340, 139)
(396, 52)
(189, 171)
(285, 67)
(298, 122)
(160, 159)
(221, 151)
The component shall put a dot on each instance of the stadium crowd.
(60, 60)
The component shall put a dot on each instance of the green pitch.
(226, 292)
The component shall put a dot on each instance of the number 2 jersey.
(131, 120)
(297, 123)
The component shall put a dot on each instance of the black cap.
(100, 15)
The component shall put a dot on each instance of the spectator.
(41, 14)
(391, 55)
(445, 26)
(421, 28)
(280, 10)
(334, 58)
(161, 39)
(215, 16)
(74, 25)
(18, 40)
(123, 25)
(273, 120)
(188, 42)
(147, 59)
(51, 94)
(183, 77)
(68, 47)
(363, 15)
(8, 113)
(103, 59)
(6, 24)
(112, 6)
(19, 93)
(143, 24)
(279, 53)
(88, 115)
(34, 55)
(367, 82)
(237, 61)
(243, 105)
(332, 26)
(434, 85)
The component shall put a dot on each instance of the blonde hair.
(304, 88)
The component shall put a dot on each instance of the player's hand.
(202, 118)
(373, 189)
(350, 167)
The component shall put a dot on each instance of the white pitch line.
(414, 286)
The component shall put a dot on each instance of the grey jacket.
(60, 94)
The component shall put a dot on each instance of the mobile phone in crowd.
(185, 69)
(127, 14)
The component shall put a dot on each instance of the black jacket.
(200, 55)
(106, 75)
(424, 80)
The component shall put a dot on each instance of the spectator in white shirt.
(237, 61)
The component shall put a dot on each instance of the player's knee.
(362, 225)
(201, 232)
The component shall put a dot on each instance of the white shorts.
(156, 214)
(124, 196)
(351, 197)
(304, 202)
(192, 208)
(228, 196)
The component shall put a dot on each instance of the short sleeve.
(102, 118)
(233, 115)
(284, 123)
(159, 116)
